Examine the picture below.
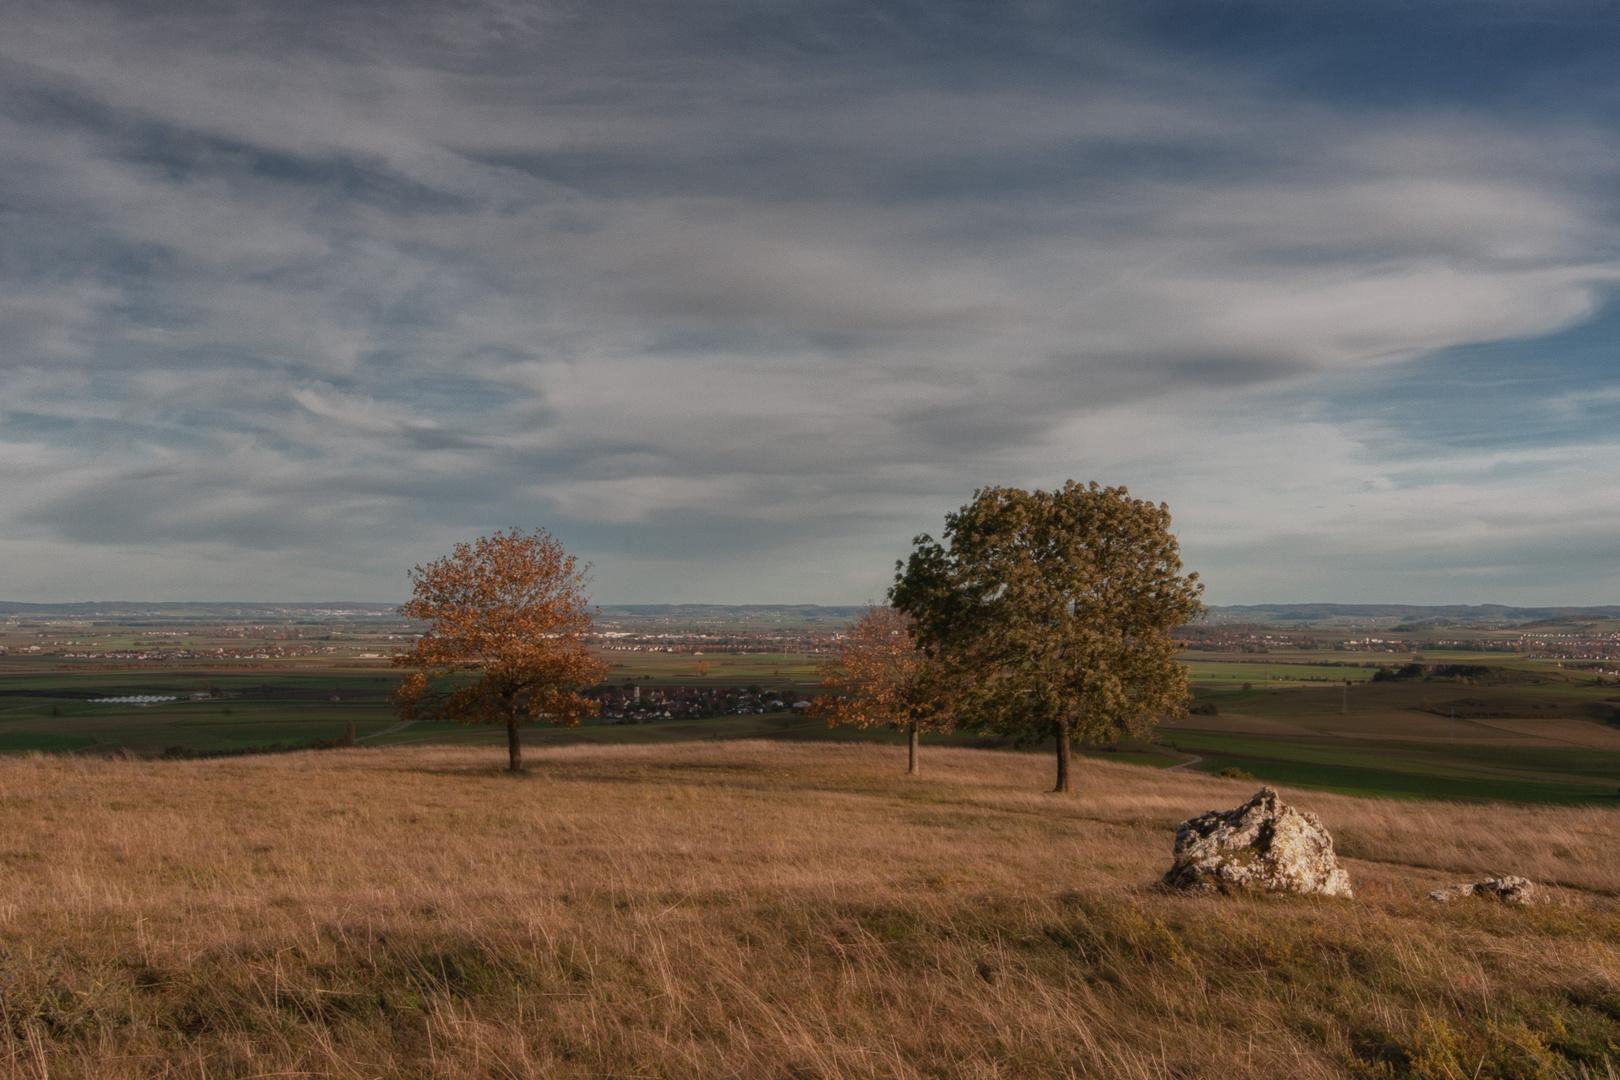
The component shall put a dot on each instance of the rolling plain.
(1528, 722)
(219, 885)
(753, 908)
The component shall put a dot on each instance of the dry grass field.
(772, 910)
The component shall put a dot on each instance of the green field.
(1550, 735)
(48, 710)
(772, 670)
(1526, 732)
(47, 705)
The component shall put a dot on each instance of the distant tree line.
(1431, 671)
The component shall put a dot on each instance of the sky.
(736, 298)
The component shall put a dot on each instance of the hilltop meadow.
(704, 881)
(765, 909)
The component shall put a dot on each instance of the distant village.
(637, 704)
(367, 639)
(1563, 644)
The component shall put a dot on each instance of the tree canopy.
(1050, 613)
(506, 641)
(880, 677)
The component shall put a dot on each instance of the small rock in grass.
(1264, 844)
(1509, 890)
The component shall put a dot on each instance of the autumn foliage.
(506, 642)
(880, 677)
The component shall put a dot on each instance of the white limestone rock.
(1509, 890)
(1264, 844)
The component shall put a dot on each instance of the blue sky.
(736, 298)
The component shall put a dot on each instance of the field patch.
(14, 742)
(1237, 724)
(1573, 732)
(1547, 741)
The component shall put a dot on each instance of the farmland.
(1526, 726)
(287, 678)
(1479, 722)
(1552, 742)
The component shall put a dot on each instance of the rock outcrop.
(1509, 890)
(1264, 844)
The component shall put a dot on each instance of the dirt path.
(1189, 763)
(401, 726)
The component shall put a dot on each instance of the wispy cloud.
(736, 300)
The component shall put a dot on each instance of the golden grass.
(764, 910)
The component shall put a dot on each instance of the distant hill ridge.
(229, 609)
(753, 613)
(345, 610)
(125, 609)
(1450, 613)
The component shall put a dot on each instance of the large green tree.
(1051, 613)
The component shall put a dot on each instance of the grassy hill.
(760, 909)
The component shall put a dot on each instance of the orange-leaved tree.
(879, 676)
(506, 641)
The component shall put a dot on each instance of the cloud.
(736, 303)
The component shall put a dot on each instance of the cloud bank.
(735, 299)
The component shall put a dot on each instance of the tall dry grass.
(763, 910)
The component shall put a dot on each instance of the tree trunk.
(514, 746)
(1064, 785)
(911, 766)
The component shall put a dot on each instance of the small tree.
(507, 618)
(1051, 613)
(879, 676)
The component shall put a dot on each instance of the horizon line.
(1260, 605)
